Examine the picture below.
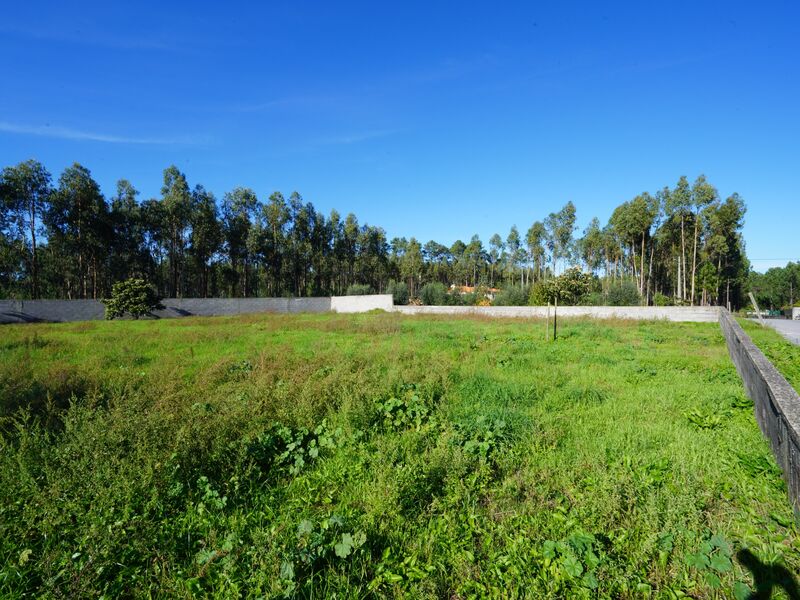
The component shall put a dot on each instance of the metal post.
(555, 319)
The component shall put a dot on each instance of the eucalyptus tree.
(129, 257)
(78, 225)
(703, 195)
(677, 207)
(276, 218)
(206, 236)
(560, 227)
(514, 244)
(176, 203)
(496, 250)
(535, 240)
(592, 246)
(411, 265)
(239, 208)
(25, 192)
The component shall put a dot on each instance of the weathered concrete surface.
(32, 311)
(357, 304)
(704, 314)
(777, 405)
(788, 329)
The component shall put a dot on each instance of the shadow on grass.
(768, 577)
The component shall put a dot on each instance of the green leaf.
(713, 580)
(741, 591)
(698, 561)
(720, 542)
(572, 566)
(721, 563)
(344, 548)
(549, 549)
(287, 570)
(305, 528)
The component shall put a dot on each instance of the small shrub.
(135, 297)
(624, 293)
(511, 296)
(661, 300)
(433, 294)
(569, 288)
(359, 289)
(399, 292)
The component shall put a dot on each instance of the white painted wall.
(357, 304)
(703, 314)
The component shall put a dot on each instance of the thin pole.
(555, 319)
(547, 324)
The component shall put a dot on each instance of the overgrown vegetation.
(782, 353)
(383, 456)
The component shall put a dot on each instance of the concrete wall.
(705, 314)
(31, 311)
(777, 405)
(357, 304)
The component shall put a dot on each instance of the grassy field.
(783, 354)
(380, 455)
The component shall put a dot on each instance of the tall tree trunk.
(34, 261)
(694, 256)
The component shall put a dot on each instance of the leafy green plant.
(712, 559)
(573, 560)
(704, 420)
(406, 412)
(135, 297)
(482, 438)
(316, 545)
(291, 449)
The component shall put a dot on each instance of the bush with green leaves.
(399, 292)
(359, 289)
(433, 294)
(514, 295)
(569, 288)
(624, 293)
(134, 297)
(660, 299)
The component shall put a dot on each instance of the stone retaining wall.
(701, 314)
(777, 405)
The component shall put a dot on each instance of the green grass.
(381, 455)
(782, 353)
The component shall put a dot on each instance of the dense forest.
(778, 287)
(65, 239)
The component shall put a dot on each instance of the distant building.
(488, 292)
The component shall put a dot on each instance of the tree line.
(778, 287)
(65, 239)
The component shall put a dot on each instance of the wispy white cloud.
(352, 138)
(88, 37)
(67, 133)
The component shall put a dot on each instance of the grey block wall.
(777, 405)
(33, 311)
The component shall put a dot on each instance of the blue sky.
(434, 121)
